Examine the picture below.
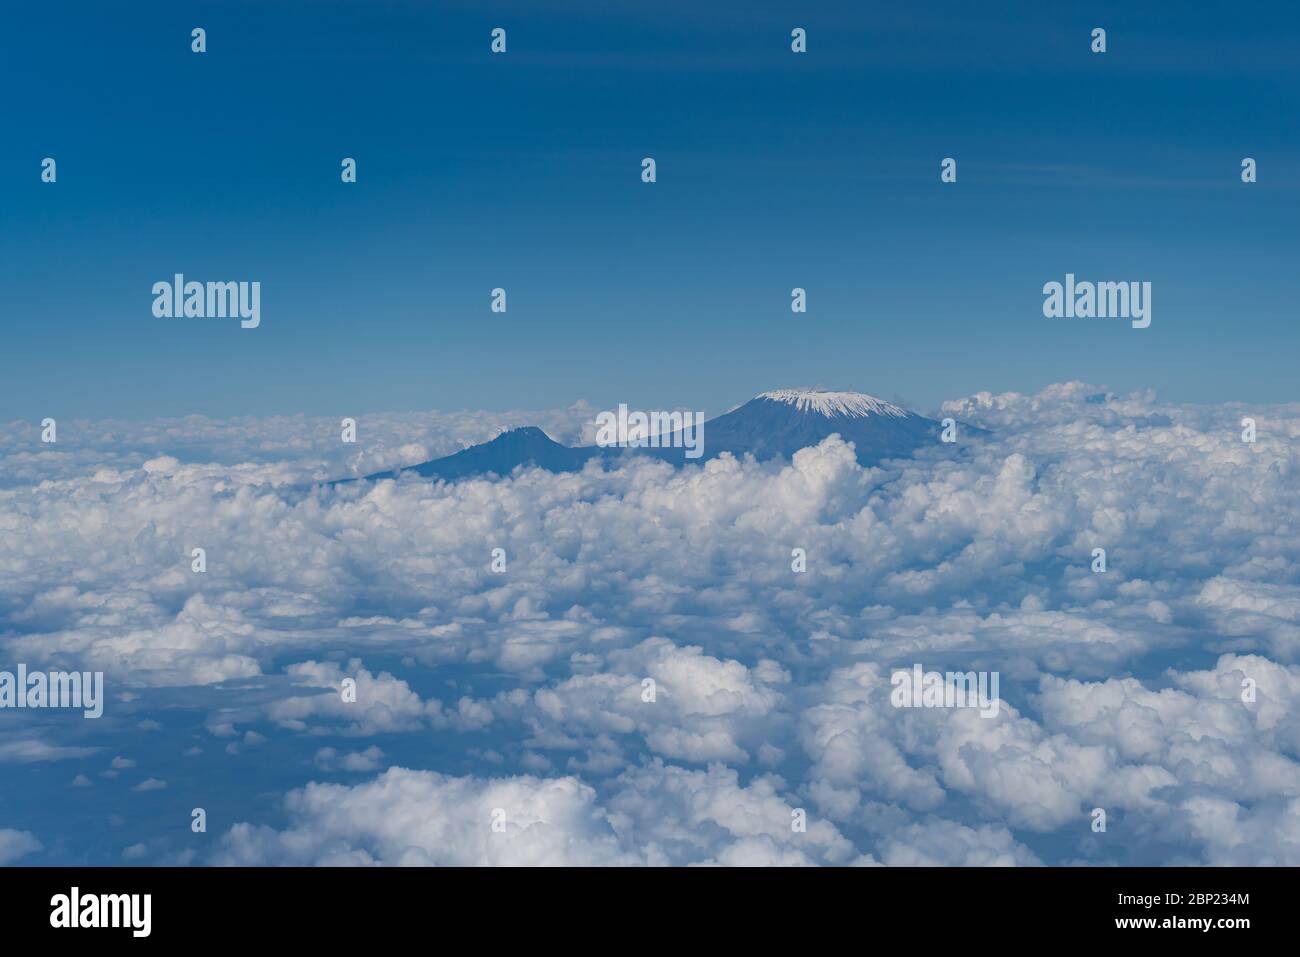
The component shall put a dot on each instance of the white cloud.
(770, 684)
(382, 702)
(949, 844)
(420, 818)
(331, 759)
(659, 815)
(15, 844)
(29, 750)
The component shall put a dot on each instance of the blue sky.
(522, 171)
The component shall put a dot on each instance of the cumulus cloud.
(373, 702)
(15, 844)
(658, 815)
(681, 702)
(331, 759)
(1121, 690)
(949, 844)
(416, 818)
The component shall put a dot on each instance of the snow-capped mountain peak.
(830, 404)
(771, 425)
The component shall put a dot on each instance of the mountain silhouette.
(771, 425)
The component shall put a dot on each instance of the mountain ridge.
(773, 424)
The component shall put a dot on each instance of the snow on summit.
(830, 404)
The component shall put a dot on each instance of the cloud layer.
(1162, 691)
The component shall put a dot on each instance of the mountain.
(526, 446)
(783, 422)
(771, 425)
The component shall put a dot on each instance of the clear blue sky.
(523, 171)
